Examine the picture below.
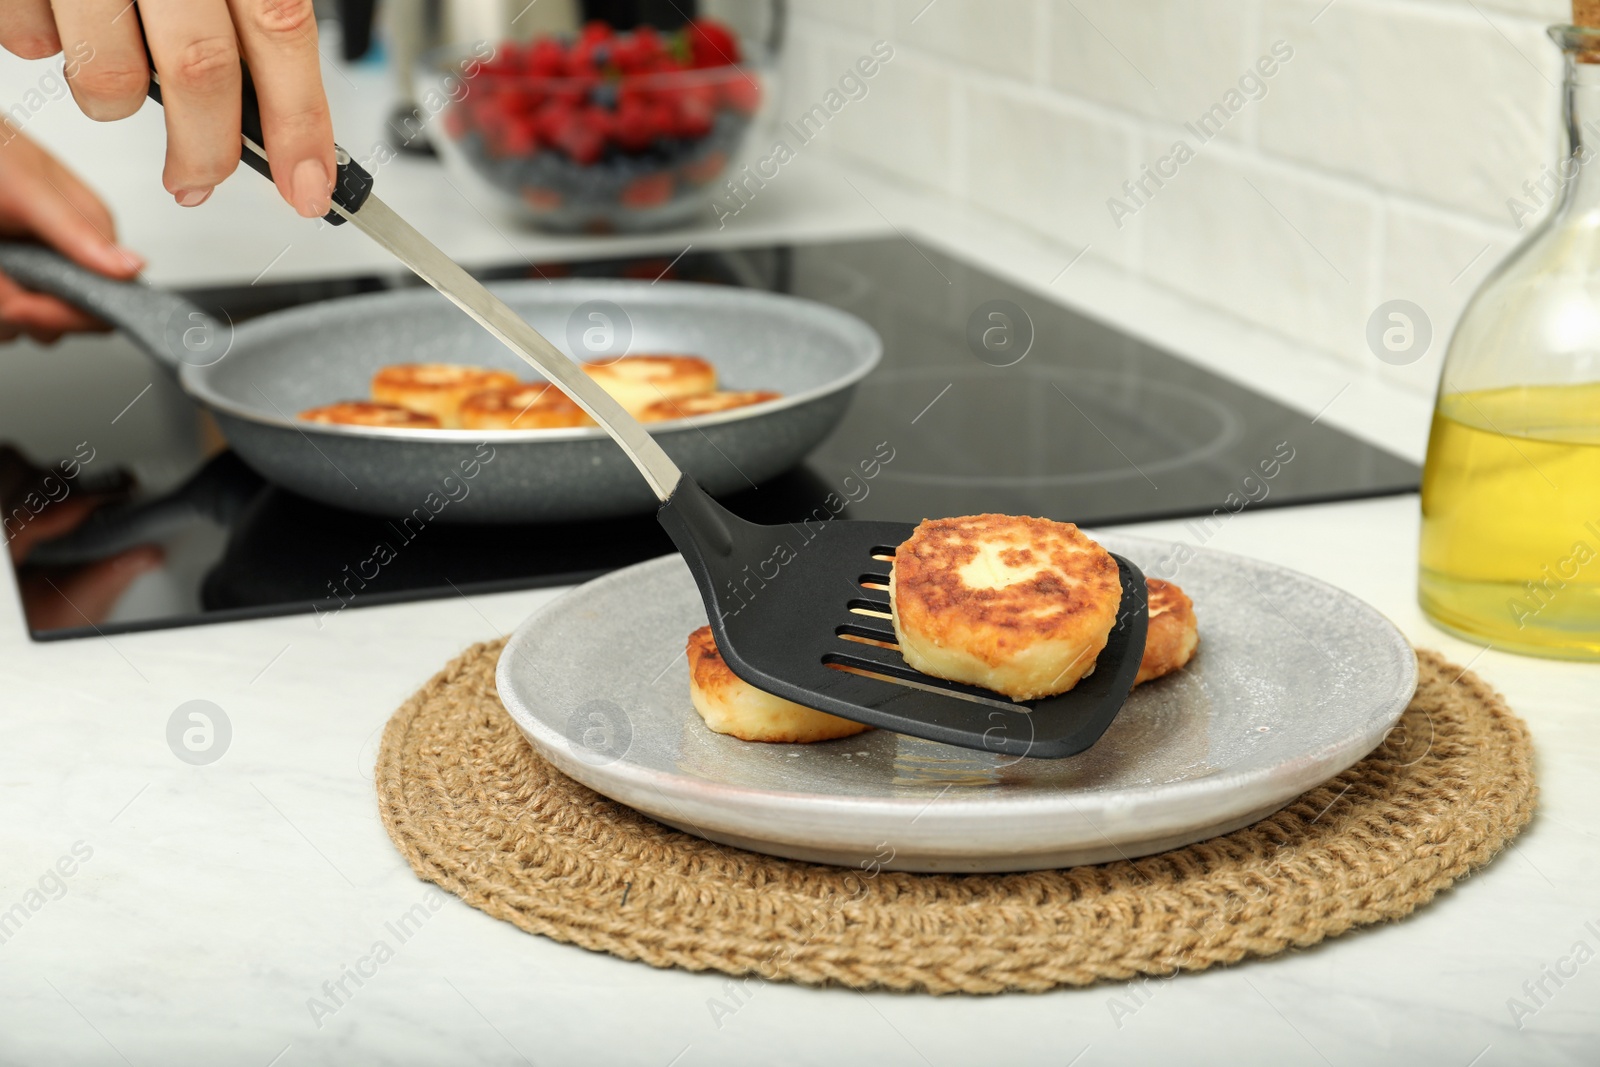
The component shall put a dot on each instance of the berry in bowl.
(604, 131)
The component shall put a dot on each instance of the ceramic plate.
(1293, 682)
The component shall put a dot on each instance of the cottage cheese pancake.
(636, 382)
(1173, 633)
(730, 705)
(1018, 605)
(704, 404)
(435, 389)
(530, 406)
(367, 413)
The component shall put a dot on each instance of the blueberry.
(544, 163)
(566, 175)
(604, 95)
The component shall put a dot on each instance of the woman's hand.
(42, 200)
(195, 46)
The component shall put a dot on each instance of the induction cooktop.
(989, 398)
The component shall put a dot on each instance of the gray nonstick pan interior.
(257, 376)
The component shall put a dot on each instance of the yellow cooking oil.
(1511, 518)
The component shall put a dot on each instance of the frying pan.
(254, 377)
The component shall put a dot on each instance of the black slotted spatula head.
(781, 600)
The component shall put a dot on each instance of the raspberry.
(635, 128)
(651, 190)
(541, 199)
(663, 118)
(705, 170)
(581, 133)
(520, 139)
(589, 57)
(742, 93)
(551, 119)
(635, 53)
(455, 122)
(546, 58)
(696, 108)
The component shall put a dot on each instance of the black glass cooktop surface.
(988, 398)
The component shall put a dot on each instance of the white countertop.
(216, 900)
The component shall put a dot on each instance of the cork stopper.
(1586, 13)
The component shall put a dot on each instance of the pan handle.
(164, 325)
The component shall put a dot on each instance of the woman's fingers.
(44, 318)
(105, 59)
(40, 198)
(279, 39)
(29, 29)
(77, 223)
(196, 55)
(195, 47)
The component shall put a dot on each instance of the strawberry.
(711, 44)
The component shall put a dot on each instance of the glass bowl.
(597, 151)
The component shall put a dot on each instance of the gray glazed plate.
(1293, 682)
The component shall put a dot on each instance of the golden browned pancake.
(731, 705)
(1170, 641)
(530, 406)
(704, 404)
(367, 413)
(1018, 605)
(636, 382)
(435, 389)
(1173, 633)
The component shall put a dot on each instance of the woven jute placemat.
(475, 809)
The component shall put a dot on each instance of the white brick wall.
(1373, 164)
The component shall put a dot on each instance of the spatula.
(782, 600)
